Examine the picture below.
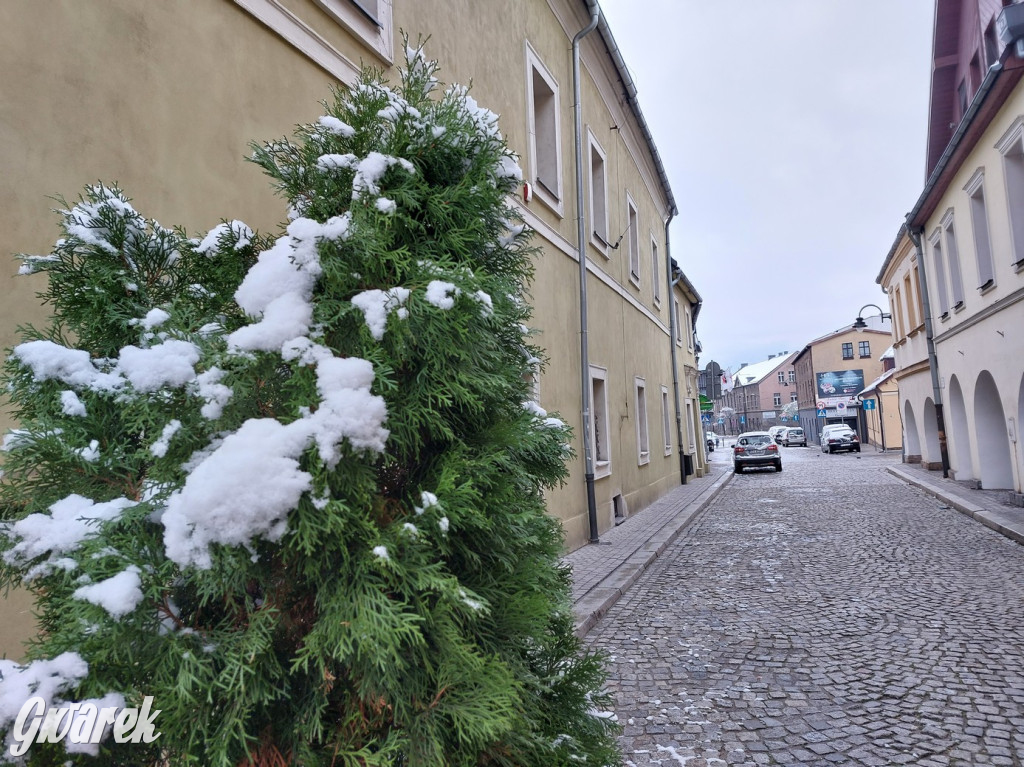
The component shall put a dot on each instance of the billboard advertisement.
(840, 383)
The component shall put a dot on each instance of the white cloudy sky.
(793, 135)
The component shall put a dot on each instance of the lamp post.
(860, 324)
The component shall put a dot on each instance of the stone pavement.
(603, 572)
(992, 508)
(834, 614)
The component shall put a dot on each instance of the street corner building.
(164, 99)
(955, 272)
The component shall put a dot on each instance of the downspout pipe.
(581, 244)
(933, 361)
(673, 321)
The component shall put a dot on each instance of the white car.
(839, 436)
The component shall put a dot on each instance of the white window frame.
(643, 434)
(975, 189)
(777, 399)
(679, 328)
(655, 272)
(689, 328)
(598, 195)
(633, 239)
(601, 442)
(782, 376)
(373, 25)
(535, 68)
(956, 282)
(666, 420)
(939, 265)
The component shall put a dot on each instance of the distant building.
(759, 392)
(832, 370)
(879, 402)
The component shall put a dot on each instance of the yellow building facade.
(164, 98)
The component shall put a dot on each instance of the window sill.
(944, 317)
(959, 307)
(634, 280)
(1019, 267)
(549, 200)
(602, 469)
(643, 459)
(986, 287)
(600, 244)
(668, 451)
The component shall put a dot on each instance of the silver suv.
(755, 448)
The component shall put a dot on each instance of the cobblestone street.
(827, 615)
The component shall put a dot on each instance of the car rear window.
(795, 432)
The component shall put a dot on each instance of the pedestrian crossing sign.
(821, 413)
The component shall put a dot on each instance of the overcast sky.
(793, 133)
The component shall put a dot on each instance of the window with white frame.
(599, 421)
(975, 189)
(792, 396)
(643, 443)
(782, 376)
(899, 323)
(633, 240)
(940, 273)
(689, 328)
(666, 420)
(864, 348)
(915, 307)
(792, 376)
(598, 196)
(370, 20)
(956, 283)
(777, 399)
(1012, 150)
(679, 330)
(655, 272)
(545, 147)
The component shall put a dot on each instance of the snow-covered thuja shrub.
(300, 504)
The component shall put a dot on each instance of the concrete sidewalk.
(992, 508)
(602, 572)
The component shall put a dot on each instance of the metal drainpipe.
(673, 334)
(588, 437)
(933, 362)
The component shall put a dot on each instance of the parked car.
(776, 432)
(794, 435)
(836, 437)
(755, 448)
(711, 439)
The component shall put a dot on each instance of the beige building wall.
(164, 98)
(900, 279)
(978, 344)
(882, 421)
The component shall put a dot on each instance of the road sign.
(821, 412)
(743, 419)
(821, 405)
(840, 406)
(869, 404)
(706, 417)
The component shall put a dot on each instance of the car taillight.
(772, 447)
(738, 449)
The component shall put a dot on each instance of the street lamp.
(860, 324)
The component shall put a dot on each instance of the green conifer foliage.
(293, 488)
